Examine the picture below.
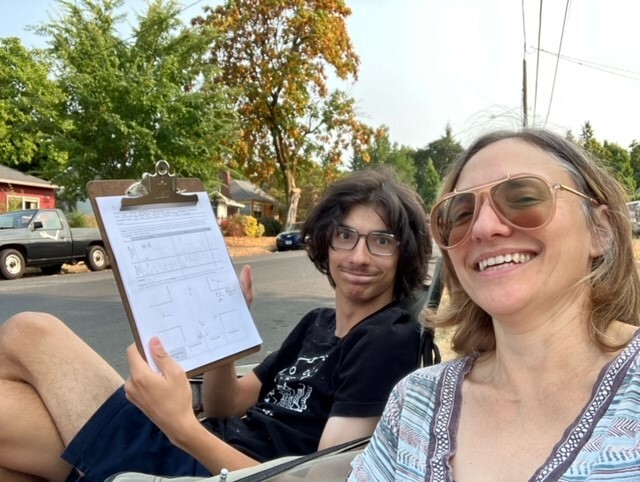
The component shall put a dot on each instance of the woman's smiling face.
(505, 269)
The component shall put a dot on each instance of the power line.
(525, 121)
(629, 74)
(555, 72)
(535, 94)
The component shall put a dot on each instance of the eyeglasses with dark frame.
(523, 201)
(379, 243)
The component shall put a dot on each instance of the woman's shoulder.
(632, 353)
(422, 391)
(433, 374)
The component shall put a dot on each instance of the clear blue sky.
(426, 63)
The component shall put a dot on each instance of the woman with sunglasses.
(544, 300)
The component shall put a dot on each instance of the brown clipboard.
(157, 190)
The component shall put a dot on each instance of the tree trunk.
(292, 212)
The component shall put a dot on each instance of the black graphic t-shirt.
(315, 375)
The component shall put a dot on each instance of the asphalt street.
(286, 286)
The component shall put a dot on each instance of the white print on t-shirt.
(290, 392)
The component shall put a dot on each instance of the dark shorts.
(120, 438)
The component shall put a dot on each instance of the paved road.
(286, 286)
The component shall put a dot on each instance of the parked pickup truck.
(43, 238)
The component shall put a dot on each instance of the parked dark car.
(290, 238)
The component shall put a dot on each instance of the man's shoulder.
(322, 318)
(321, 313)
(391, 328)
(394, 316)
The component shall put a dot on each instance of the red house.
(22, 191)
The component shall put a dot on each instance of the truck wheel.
(51, 269)
(97, 258)
(11, 264)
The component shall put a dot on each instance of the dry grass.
(443, 340)
(636, 249)
(245, 246)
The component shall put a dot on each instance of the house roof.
(245, 191)
(12, 176)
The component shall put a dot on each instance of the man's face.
(361, 277)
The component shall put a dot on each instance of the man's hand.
(246, 283)
(164, 397)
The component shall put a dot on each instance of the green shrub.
(271, 226)
(80, 220)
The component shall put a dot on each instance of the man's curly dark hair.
(399, 206)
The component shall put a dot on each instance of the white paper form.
(179, 280)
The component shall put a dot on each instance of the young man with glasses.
(327, 384)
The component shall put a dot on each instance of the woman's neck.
(542, 356)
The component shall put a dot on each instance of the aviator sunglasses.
(523, 201)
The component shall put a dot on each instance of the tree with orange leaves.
(275, 54)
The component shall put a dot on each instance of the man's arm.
(344, 429)
(225, 395)
(211, 451)
(166, 399)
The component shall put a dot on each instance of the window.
(18, 203)
(49, 219)
(257, 210)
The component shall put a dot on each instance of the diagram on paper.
(184, 328)
(158, 259)
(179, 280)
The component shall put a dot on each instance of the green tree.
(587, 133)
(433, 161)
(442, 151)
(570, 137)
(313, 182)
(382, 152)
(131, 103)
(589, 142)
(615, 157)
(28, 100)
(431, 184)
(275, 54)
(620, 161)
(634, 154)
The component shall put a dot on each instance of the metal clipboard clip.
(157, 190)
